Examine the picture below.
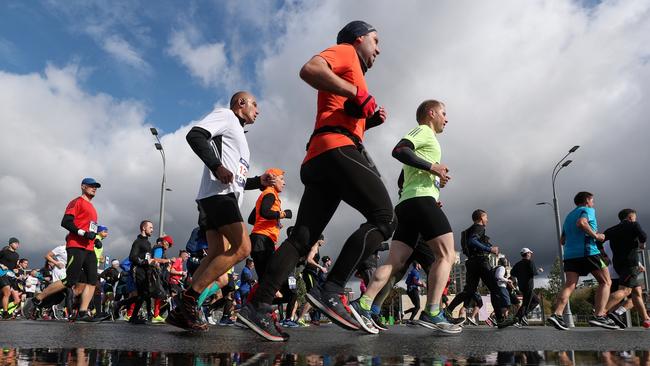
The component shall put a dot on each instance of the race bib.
(292, 283)
(92, 227)
(242, 172)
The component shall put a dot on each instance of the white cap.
(115, 261)
(525, 251)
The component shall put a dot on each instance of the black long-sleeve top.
(139, 250)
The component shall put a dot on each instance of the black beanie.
(352, 30)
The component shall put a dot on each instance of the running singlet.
(85, 218)
(60, 255)
(230, 145)
(578, 244)
(344, 62)
(417, 182)
(265, 226)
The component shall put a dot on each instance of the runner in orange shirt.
(336, 168)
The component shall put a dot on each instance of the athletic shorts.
(629, 277)
(423, 255)
(310, 280)
(217, 211)
(585, 265)
(81, 267)
(614, 286)
(5, 281)
(420, 216)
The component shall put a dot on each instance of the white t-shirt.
(59, 255)
(30, 284)
(500, 274)
(230, 145)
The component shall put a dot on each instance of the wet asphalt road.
(324, 340)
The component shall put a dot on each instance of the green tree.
(555, 280)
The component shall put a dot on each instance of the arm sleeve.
(198, 138)
(134, 255)
(68, 223)
(533, 269)
(251, 217)
(643, 237)
(253, 183)
(404, 152)
(265, 208)
(474, 242)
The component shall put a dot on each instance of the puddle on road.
(80, 356)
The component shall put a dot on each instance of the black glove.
(287, 214)
(90, 235)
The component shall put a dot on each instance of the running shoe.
(452, 320)
(289, 324)
(506, 322)
(315, 323)
(603, 322)
(6, 315)
(646, 323)
(158, 319)
(364, 317)
(335, 306)
(490, 322)
(617, 320)
(557, 321)
(262, 321)
(379, 324)
(186, 315)
(226, 322)
(85, 317)
(438, 322)
(524, 321)
(302, 323)
(137, 321)
(471, 320)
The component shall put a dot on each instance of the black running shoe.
(524, 321)
(84, 317)
(262, 321)
(506, 322)
(617, 319)
(186, 314)
(364, 317)
(335, 306)
(137, 321)
(557, 321)
(379, 324)
(603, 322)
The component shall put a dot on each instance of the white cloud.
(207, 62)
(122, 51)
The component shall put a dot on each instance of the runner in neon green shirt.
(419, 216)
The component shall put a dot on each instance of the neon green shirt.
(417, 182)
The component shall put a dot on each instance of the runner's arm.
(265, 208)
(251, 217)
(643, 237)
(68, 223)
(474, 242)
(253, 183)
(198, 138)
(404, 152)
(318, 74)
(311, 255)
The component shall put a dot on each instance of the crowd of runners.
(190, 285)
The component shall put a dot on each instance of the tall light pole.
(159, 147)
(563, 163)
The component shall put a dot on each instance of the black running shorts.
(217, 211)
(81, 267)
(585, 265)
(420, 216)
(629, 277)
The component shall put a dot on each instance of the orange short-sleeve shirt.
(344, 61)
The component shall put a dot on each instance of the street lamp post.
(568, 317)
(163, 189)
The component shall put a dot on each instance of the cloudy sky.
(81, 83)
